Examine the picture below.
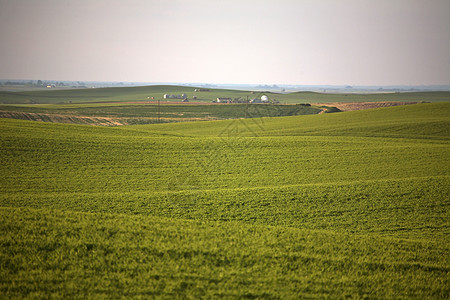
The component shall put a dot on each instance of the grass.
(72, 255)
(354, 204)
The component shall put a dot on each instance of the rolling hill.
(354, 204)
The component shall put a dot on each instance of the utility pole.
(159, 110)
(246, 108)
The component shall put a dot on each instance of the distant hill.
(145, 93)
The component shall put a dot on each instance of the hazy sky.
(355, 42)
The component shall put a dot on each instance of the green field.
(347, 205)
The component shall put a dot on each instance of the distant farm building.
(182, 96)
(229, 100)
(224, 100)
(239, 100)
(264, 99)
(201, 90)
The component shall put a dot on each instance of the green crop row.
(415, 208)
(62, 254)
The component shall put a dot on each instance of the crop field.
(348, 205)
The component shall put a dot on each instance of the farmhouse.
(182, 96)
(201, 90)
(224, 100)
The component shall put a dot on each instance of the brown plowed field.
(362, 105)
